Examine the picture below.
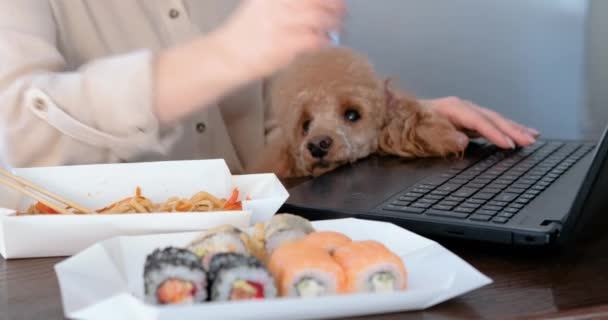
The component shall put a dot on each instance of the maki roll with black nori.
(234, 276)
(222, 239)
(174, 276)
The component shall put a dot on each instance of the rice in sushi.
(174, 276)
(222, 239)
(302, 270)
(234, 276)
(370, 267)
(283, 228)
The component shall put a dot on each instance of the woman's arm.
(259, 38)
(113, 108)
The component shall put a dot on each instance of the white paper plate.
(96, 186)
(105, 281)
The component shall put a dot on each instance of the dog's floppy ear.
(412, 130)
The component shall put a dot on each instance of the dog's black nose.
(319, 146)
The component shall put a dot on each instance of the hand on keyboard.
(478, 121)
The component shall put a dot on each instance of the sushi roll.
(328, 240)
(219, 240)
(283, 228)
(302, 270)
(234, 276)
(370, 267)
(174, 276)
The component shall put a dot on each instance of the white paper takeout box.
(106, 280)
(96, 186)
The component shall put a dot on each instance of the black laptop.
(535, 196)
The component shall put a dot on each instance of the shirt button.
(173, 13)
(201, 127)
(39, 104)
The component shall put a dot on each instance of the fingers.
(487, 128)
(519, 134)
(467, 117)
(308, 22)
(473, 119)
(320, 15)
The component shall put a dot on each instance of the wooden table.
(549, 284)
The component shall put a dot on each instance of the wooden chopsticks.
(22, 186)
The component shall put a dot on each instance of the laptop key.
(447, 214)
(474, 185)
(543, 184)
(452, 197)
(500, 220)
(440, 193)
(521, 185)
(516, 205)
(486, 212)
(512, 210)
(497, 203)
(410, 199)
(470, 205)
(421, 205)
(515, 190)
(459, 181)
(413, 194)
(464, 210)
(443, 207)
(401, 203)
(449, 203)
(429, 201)
(465, 192)
(526, 181)
(505, 214)
(523, 200)
(433, 197)
(506, 197)
(483, 196)
(534, 176)
(480, 218)
(493, 208)
(475, 201)
(491, 190)
(539, 188)
(448, 187)
(498, 185)
(527, 196)
(403, 209)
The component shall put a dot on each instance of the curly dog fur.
(332, 108)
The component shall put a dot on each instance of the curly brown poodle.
(332, 108)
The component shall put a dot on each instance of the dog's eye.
(352, 115)
(306, 126)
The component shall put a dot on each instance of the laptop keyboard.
(493, 189)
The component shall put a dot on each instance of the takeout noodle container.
(96, 186)
(105, 281)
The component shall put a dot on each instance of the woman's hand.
(263, 36)
(478, 121)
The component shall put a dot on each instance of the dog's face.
(333, 109)
(331, 113)
(334, 126)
